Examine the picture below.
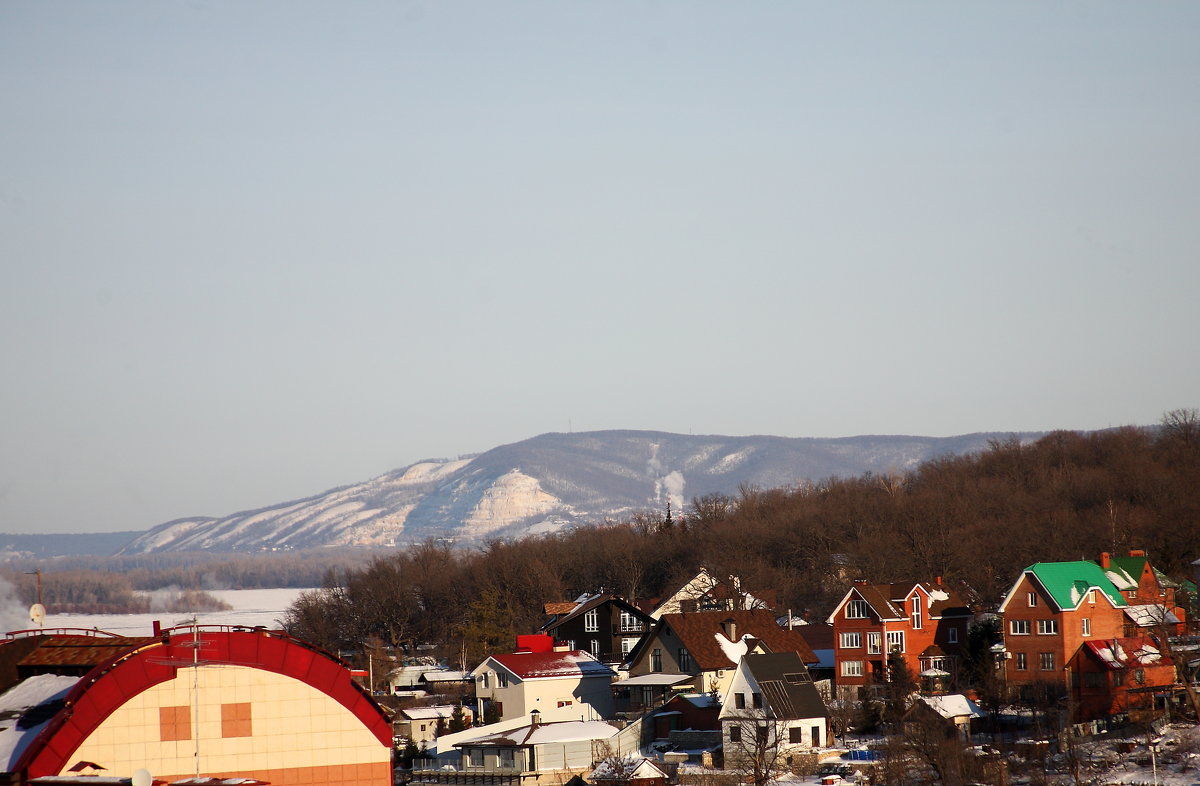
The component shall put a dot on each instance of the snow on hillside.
(545, 484)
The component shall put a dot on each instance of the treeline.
(97, 592)
(976, 520)
(208, 571)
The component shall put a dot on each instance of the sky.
(250, 251)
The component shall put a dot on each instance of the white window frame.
(1047, 627)
(874, 643)
(851, 640)
(630, 623)
(1032, 598)
(952, 635)
(894, 638)
(858, 609)
(1086, 626)
(1019, 627)
(852, 668)
(1045, 661)
(591, 620)
(627, 645)
(916, 612)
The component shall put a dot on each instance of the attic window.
(857, 610)
(797, 678)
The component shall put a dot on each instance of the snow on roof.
(954, 705)
(429, 713)
(935, 673)
(25, 695)
(1114, 655)
(446, 675)
(549, 665)
(938, 594)
(626, 769)
(543, 733)
(1120, 579)
(734, 650)
(1150, 614)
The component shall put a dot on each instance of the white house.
(772, 702)
(560, 685)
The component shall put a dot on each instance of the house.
(688, 712)
(631, 771)
(705, 592)
(1119, 676)
(225, 702)
(538, 747)
(605, 625)
(772, 702)
(706, 646)
(1054, 608)
(423, 725)
(561, 684)
(924, 622)
(953, 711)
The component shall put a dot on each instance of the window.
(476, 759)
(1019, 627)
(501, 679)
(739, 701)
(507, 759)
(1046, 661)
(857, 610)
(916, 612)
(851, 641)
(952, 636)
(594, 648)
(1086, 622)
(874, 643)
(562, 704)
(685, 659)
(627, 645)
(1091, 596)
(1022, 663)
(571, 644)
(895, 641)
(797, 678)
(1047, 627)
(796, 735)
(760, 736)
(591, 620)
(235, 719)
(757, 700)
(1139, 676)
(735, 733)
(1032, 599)
(630, 623)
(852, 668)
(656, 661)
(174, 723)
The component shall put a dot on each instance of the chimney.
(939, 581)
(1104, 560)
(730, 628)
(535, 719)
(1137, 552)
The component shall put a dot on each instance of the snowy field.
(250, 607)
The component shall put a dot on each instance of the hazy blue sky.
(254, 250)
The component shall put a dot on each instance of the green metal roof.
(1068, 582)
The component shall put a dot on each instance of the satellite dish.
(142, 777)
(37, 614)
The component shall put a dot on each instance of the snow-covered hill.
(544, 484)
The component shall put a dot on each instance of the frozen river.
(253, 607)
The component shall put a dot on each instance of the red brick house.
(1114, 676)
(925, 622)
(1054, 608)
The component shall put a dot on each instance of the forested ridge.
(974, 520)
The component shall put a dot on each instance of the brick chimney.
(1105, 560)
(730, 628)
(1137, 552)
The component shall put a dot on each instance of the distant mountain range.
(546, 484)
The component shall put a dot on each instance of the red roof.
(543, 665)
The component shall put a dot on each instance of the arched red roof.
(150, 662)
